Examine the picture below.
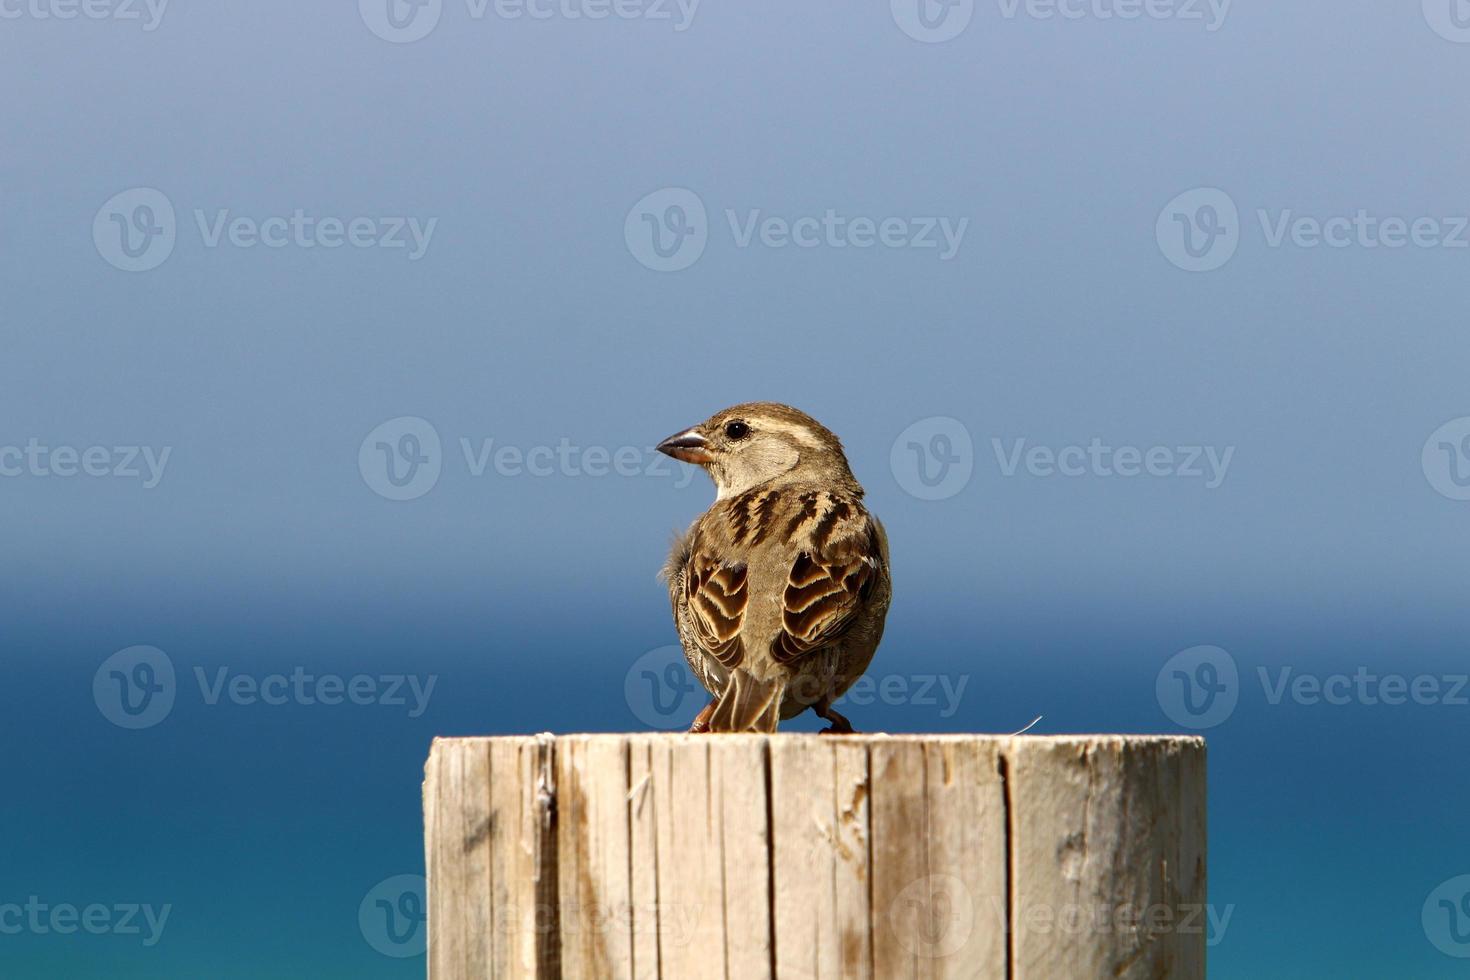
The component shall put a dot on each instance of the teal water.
(235, 446)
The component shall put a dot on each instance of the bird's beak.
(689, 446)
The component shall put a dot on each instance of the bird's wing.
(714, 592)
(833, 575)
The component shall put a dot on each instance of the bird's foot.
(840, 725)
(701, 720)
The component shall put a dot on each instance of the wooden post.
(798, 856)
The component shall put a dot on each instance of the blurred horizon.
(336, 339)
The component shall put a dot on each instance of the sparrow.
(780, 589)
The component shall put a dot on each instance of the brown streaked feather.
(838, 510)
(716, 595)
(748, 704)
(807, 512)
(752, 516)
(829, 581)
(765, 512)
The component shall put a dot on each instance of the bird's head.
(758, 443)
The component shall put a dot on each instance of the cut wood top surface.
(1111, 738)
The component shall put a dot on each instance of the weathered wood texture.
(796, 856)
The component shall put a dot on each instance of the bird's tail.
(749, 704)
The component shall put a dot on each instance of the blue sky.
(1143, 333)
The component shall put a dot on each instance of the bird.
(780, 590)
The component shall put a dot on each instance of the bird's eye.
(736, 429)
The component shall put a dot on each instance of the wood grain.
(798, 856)
(1108, 847)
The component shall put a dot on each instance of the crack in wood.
(898, 843)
